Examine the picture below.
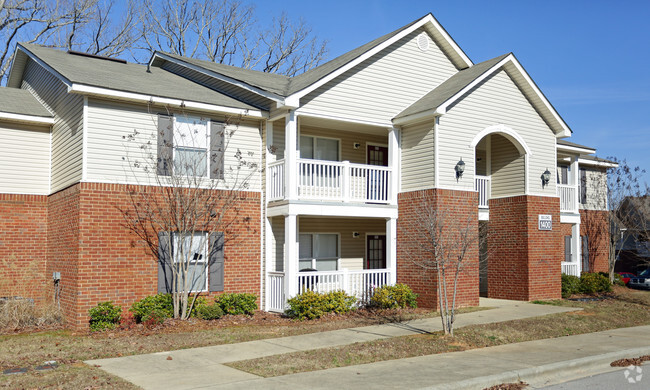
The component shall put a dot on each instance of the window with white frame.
(318, 148)
(191, 141)
(190, 253)
(319, 251)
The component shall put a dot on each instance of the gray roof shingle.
(129, 77)
(567, 143)
(449, 87)
(21, 101)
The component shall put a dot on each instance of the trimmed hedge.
(394, 297)
(311, 305)
(154, 308)
(209, 312)
(237, 303)
(587, 283)
(104, 316)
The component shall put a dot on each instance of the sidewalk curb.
(549, 374)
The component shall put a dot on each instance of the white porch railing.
(275, 291)
(333, 181)
(568, 198)
(482, 185)
(360, 284)
(570, 268)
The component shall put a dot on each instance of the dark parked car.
(641, 281)
(626, 276)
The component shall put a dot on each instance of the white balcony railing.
(275, 291)
(570, 268)
(482, 185)
(568, 198)
(332, 181)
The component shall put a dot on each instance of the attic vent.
(82, 54)
(423, 41)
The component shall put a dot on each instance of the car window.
(645, 273)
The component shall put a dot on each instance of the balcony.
(333, 181)
(568, 198)
(482, 185)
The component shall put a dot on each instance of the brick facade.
(460, 211)
(23, 246)
(524, 263)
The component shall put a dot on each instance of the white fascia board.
(569, 218)
(41, 120)
(603, 164)
(54, 73)
(332, 210)
(574, 149)
(427, 19)
(420, 116)
(383, 125)
(90, 90)
(221, 77)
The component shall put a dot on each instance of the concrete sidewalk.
(203, 367)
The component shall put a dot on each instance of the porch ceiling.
(332, 124)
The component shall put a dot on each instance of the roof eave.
(574, 149)
(417, 117)
(594, 163)
(33, 119)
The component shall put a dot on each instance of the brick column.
(524, 263)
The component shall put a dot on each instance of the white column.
(290, 255)
(575, 242)
(574, 182)
(393, 163)
(291, 156)
(391, 249)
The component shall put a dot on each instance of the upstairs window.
(583, 186)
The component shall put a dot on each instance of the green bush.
(393, 297)
(618, 279)
(594, 283)
(209, 312)
(570, 285)
(104, 316)
(237, 303)
(154, 308)
(311, 305)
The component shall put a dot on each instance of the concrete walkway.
(203, 367)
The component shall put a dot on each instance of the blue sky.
(590, 58)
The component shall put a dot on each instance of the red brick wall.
(23, 246)
(524, 263)
(459, 210)
(595, 225)
(101, 260)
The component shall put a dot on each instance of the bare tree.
(447, 245)
(187, 199)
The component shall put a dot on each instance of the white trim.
(526, 171)
(84, 142)
(418, 117)
(436, 151)
(582, 161)
(504, 130)
(34, 58)
(567, 148)
(87, 89)
(49, 176)
(427, 19)
(219, 76)
(300, 112)
(484, 214)
(42, 120)
(569, 218)
(332, 210)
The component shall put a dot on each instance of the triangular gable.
(441, 98)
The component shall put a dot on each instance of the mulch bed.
(630, 361)
(509, 386)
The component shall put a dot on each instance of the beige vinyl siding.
(347, 152)
(110, 124)
(417, 168)
(507, 168)
(276, 246)
(596, 190)
(67, 131)
(495, 101)
(278, 139)
(481, 162)
(218, 85)
(352, 250)
(25, 159)
(383, 85)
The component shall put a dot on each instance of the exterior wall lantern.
(460, 168)
(546, 177)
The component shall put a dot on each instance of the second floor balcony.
(334, 181)
(568, 194)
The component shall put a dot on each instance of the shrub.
(153, 309)
(19, 313)
(104, 316)
(393, 297)
(594, 283)
(209, 312)
(618, 279)
(311, 305)
(570, 285)
(237, 303)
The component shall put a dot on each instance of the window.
(190, 146)
(319, 148)
(192, 250)
(563, 175)
(583, 186)
(319, 251)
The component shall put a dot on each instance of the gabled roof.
(451, 90)
(73, 69)
(19, 105)
(573, 147)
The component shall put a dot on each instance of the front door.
(376, 251)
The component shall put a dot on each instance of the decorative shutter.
(165, 271)
(165, 144)
(217, 149)
(583, 186)
(585, 254)
(216, 262)
(567, 249)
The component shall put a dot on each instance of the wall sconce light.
(460, 168)
(546, 177)
(355, 234)
(357, 145)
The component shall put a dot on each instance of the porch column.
(393, 160)
(577, 250)
(291, 155)
(391, 249)
(290, 256)
(574, 181)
